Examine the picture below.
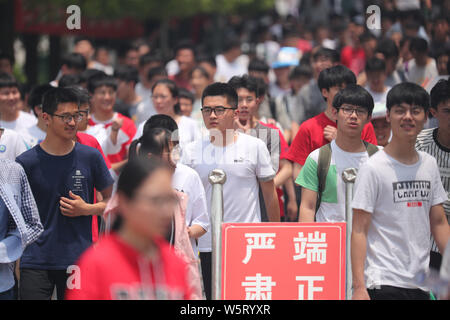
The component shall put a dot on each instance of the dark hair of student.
(419, 45)
(150, 58)
(169, 84)
(154, 141)
(440, 93)
(202, 70)
(335, 76)
(74, 60)
(68, 80)
(100, 80)
(375, 64)
(184, 45)
(410, 93)
(210, 59)
(8, 81)
(355, 95)
(53, 97)
(36, 94)
(258, 65)
(156, 71)
(126, 73)
(186, 94)
(246, 82)
(388, 48)
(327, 53)
(221, 89)
(301, 71)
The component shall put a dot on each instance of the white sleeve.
(264, 169)
(199, 212)
(365, 189)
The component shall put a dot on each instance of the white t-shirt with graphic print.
(399, 198)
(332, 206)
(245, 162)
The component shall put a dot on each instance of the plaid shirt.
(16, 193)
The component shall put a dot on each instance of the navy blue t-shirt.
(64, 238)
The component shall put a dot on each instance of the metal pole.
(217, 178)
(349, 176)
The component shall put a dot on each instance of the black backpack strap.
(323, 166)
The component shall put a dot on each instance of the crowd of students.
(106, 169)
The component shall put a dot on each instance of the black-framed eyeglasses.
(217, 110)
(67, 118)
(349, 111)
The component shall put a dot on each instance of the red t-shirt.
(90, 141)
(129, 128)
(354, 59)
(113, 270)
(310, 137)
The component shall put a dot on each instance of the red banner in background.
(283, 261)
(52, 20)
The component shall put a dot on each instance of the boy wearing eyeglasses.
(352, 107)
(321, 129)
(62, 174)
(397, 206)
(245, 160)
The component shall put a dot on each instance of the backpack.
(324, 164)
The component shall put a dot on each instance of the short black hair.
(375, 64)
(184, 93)
(88, 73)
(327, 53)
(126, 73)
(53, 97)
(150, 58)
(156, 71)
(355, 95)
(36, 94)
(301, 71)
(8, 81)
(68, 80)
(335, 76)
(184, 44)
(246, 82)
(418, 44)
(367, 36)
(75, 61)
(224, 90)
(410, 93)
(258, 65)
(388, 48)
(99, 80)
(206, 58)
(440, 93)
(161, 121)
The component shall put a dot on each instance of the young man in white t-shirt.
(11, 115)
(352, 107)
(245, 160)
(397, 206)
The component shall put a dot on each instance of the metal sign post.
(217, 178)
(349, 176)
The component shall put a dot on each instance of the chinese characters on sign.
(294, 261)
